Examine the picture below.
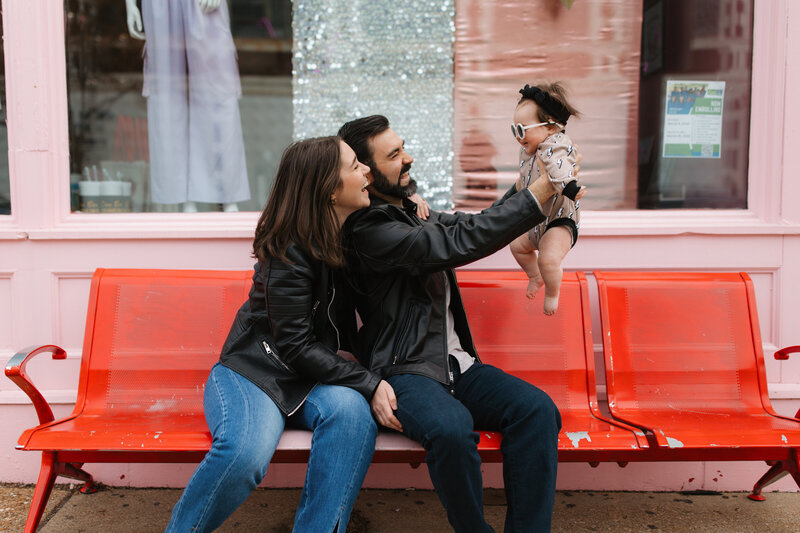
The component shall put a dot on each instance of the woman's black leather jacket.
(286, 336)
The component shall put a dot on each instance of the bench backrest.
(152, 336)
(681, 341)
(510, 331)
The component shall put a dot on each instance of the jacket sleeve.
(509, 193)
(291, 309)
(384, 243)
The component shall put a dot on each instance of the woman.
(279, 363)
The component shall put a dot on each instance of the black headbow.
(553, 107)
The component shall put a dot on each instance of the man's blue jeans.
(246, 426)
(489, 399)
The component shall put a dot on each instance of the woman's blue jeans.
(246, 426)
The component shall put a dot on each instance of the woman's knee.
(241, 460)
(246, 426)
(345, 407)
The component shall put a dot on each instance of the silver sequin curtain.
(363, 57)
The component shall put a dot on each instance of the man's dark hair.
(358, 132)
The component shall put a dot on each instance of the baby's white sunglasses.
(519, 130)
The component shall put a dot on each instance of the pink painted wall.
(47, 254)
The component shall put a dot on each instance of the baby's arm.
(560, 157)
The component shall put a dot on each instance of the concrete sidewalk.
(123, 510)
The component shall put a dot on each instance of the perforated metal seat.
(683, 358)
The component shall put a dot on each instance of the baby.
(539, 120)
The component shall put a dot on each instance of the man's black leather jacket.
(286, 336)
(397, 265)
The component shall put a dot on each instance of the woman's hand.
(383, 404)
(423, 207)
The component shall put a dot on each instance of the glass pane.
(694, 103)
(362, 59)
(5, 192)
(175, 109)
(616, 60)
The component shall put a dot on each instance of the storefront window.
(172, 108)
(5, 192)
(663, 88)
(190, 110)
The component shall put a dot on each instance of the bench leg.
(50, 470)
(777, 471)
(44, 486)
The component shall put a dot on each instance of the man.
(415, 335)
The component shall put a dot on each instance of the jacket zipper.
(333, 295)
(275, 357)
(452, 383)
(401, 337)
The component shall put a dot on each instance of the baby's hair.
(551, 100)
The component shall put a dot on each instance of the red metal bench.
(152, 336)
(684, 361)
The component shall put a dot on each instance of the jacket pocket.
(273, 355)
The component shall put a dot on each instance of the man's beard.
(382, 184)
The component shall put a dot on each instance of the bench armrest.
(783, 353)
(15, 370)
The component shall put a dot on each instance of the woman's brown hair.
(299, 207)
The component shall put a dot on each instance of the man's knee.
(453, 431)
(541, 410)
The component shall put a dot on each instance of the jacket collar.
(409, 206)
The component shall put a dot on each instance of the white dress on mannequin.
(191, 81)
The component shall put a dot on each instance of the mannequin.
(191, 82)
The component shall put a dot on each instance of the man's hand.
(384, 404)
(543, 189)
(423, 207)
(543, 170)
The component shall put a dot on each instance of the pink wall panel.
(787, 321)
(6, 312)
(69, 312)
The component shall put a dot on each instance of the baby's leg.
(553, 247)
(523, 251)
